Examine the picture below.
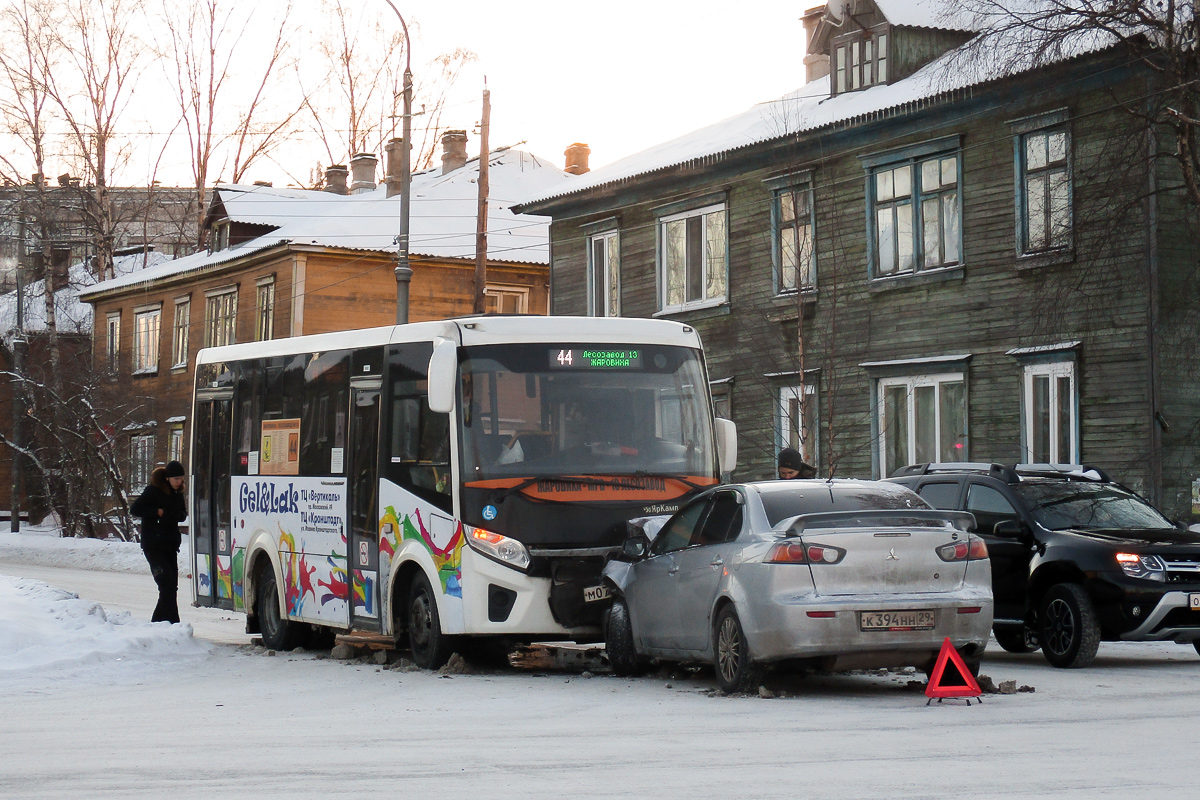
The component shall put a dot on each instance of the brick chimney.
(454, 150)
(577, 158)
(394, 152)
(363, 168)
(816, 65)
(335, 179)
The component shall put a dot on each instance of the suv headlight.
(507, 551)
(1150, 568)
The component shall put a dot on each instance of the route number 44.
(565, 357)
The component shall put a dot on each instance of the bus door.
(212, 536)
(363, 473)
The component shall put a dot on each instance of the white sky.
(620, 75)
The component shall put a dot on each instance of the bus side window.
(418, 440)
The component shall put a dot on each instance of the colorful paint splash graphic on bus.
(298, 575)
(447, 559)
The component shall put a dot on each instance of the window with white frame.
(112, 348)
(794, 254)
(693, 258)
(180, 330)
(506, 299)
(1044, 193)
(220, 318)
(604, 275)
(141, 459)
(795, 420)
(175, 443)
(146, 325)
(922, 418)
(915, 212)
(1050, 425)
(264, 316)
(860, 62)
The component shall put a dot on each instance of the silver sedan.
(827, 575)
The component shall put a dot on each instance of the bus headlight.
(507, 551)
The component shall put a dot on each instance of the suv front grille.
(1182, 568)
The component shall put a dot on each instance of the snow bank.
(43, 546)
(41, 626)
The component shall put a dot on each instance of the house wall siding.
(994, 303)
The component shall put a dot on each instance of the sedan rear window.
(789, 498)
(1062, 505)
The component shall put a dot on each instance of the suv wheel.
(1070, 632)
(1017, 640)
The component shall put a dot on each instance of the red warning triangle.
(957, 681)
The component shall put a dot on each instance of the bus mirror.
(443, 369)
(726, 444)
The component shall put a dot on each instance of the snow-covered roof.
(942, 14)
(70, 314)
(812, 108)
(442, 217)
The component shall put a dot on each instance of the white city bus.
(446, 484)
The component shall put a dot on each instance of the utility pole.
(481, 218)
(18, 389)
(403, 270)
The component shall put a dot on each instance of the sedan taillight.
(972, 549)
(798, 553)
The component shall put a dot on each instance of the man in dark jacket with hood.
(161, 507)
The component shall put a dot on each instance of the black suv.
(1076, 558)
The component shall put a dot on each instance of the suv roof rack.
(1004, 473)
(1079, 472)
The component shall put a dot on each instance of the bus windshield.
(541, 410)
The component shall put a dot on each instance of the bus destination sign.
(595, 358)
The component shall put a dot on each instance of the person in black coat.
(161, 507)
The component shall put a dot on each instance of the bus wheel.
(278, 632)
(430, 647)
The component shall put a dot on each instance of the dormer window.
(860, 60)
(220, 236)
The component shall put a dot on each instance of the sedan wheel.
(618, 641)
(736, 670)
(1070, 632)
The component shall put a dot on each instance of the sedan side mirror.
(635, 547)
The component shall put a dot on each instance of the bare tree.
(204, 39)
(356, 106)
(1160, 35)
(101, 57)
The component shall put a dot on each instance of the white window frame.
(786, 403)
(264, 310)
(912, 383)
(499, 292)
(706, 260)
(147, 329)
(181, 332)
(1052, 372)
(175, 443)
(220, 317)
(141, 458)
(604, 279)
(113, 345)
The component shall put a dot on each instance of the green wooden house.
(925, 253)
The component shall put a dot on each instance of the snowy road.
(234, 721)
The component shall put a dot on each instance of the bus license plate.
(1194, 601)
(593, 593)
(921, 620)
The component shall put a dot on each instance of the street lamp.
(403, 270)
